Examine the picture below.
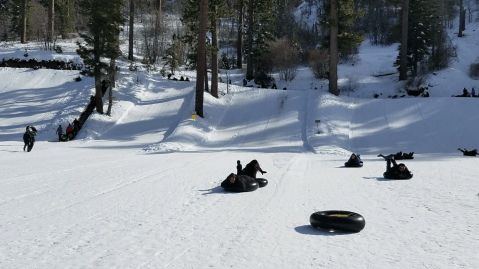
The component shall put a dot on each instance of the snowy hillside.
(140, 189)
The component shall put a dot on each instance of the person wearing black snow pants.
(26, 140)
(396, 171)
(59, 132)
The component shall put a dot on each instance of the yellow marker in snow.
(193, 116)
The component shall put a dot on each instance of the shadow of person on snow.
(216, 189)
(382, 179)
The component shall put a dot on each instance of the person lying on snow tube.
(251, 169)
(354, 161)
(400, 155)
(469, 153)
(239, 183)
(396, 171)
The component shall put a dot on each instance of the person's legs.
(25, 146)
(388, 165)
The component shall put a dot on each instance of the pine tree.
(347, 39)
(404, 39)
(104, 16)
(64, 15)
(216, 10)
(21, 18)
(131, 28)
(173, 55)
(424, 25)
(340, 36)
(260, 30)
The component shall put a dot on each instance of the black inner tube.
(337, 220)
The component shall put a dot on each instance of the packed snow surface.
(140, 188)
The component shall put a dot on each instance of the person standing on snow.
(69, 131)
(59, 132)
(26, 139)
(29, 137)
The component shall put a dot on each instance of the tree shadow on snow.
(308, 229)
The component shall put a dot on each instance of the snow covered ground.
(140, 189)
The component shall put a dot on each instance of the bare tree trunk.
(461, 12)
(333, 50)
(239, 44)
(98, 95)
(201, 66)
(214, 59)
(24, 21)
(157, 28)
(206, 75)
(111, 78)
(51, 18)
(130, 37)
(249, 63)
(403, 61)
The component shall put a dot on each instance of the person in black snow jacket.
(252, 168)
(468, 153)
(396, 171)
(26, 139)
(29, 138)
(355, 159)
(59, 133)
(235, 182)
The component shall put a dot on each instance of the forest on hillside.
(263, 36)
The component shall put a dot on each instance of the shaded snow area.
(141, 189)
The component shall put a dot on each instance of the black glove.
(263, 172)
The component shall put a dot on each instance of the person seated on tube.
(354, 159)
(396, 170)
(236, 181)
(252, 168)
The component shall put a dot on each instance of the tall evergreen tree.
(201, 63)
(51, 18)
(347, 38)
(260, 30)
(424, 24)
(63, 14)
(21, 18)
(239, 43)
(131, 28)
(404, 38)
(340, 36)
(104, 16)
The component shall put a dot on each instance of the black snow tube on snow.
(348, 164)
(250, 186)
(63, 138)
(262, 182)
(394, 176)
(336, 220)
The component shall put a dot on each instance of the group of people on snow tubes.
(400, 155)
(71, 131)
(468, 152)
(393, 170)
(244, 177)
